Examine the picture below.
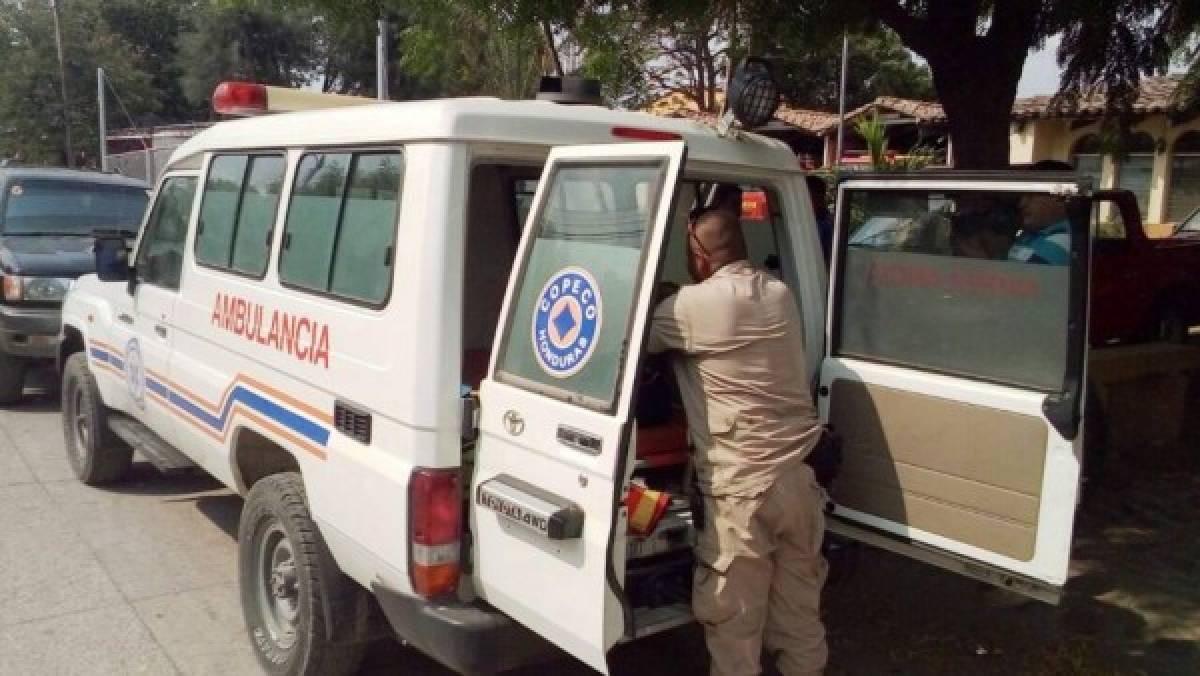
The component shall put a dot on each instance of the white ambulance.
(410, 334)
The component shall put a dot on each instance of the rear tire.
(284, 573)
(97, 456)
(12, 378)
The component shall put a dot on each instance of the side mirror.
(112, 258)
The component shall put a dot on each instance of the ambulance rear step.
(165, 457)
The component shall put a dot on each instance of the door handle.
(160, 330)
(579, 440)
(125, 318)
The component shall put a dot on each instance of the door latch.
(579, 440)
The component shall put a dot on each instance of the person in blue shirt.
(1045, 235)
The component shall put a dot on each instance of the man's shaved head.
(716, 239)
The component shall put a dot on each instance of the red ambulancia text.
(303, 338)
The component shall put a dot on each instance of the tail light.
(435, 530)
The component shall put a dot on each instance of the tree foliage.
(165, 56)
(31, 109)
(256, 41)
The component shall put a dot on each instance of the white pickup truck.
(409, 334)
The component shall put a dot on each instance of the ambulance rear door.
(954, 370)
(547, 515)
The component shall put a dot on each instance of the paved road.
(141, 577)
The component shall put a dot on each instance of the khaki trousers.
(759, 577)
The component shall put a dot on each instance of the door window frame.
(1062, 405)
(149, 229)
(652, 207)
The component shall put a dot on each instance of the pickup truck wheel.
(12, 378)
(96, 455)
(283, 564)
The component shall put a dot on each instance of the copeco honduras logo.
(135, 372)
(566, 322)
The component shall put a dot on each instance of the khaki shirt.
(742, 377)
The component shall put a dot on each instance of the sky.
(1041, 71)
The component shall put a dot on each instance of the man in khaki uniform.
(745, 390)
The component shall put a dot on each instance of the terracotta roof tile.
(813, 121)
(1154, 96)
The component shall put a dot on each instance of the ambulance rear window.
(568, 332)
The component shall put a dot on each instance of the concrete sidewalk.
(140, 578)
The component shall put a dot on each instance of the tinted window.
(972, 283)
(312, 219)
(160, 257)
(362, 259)
(341, 225)
(47, 206)
(237, 212)
(567, 333)
(256, 215)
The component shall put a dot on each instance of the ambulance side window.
(567, 333)
(339, 238)
(241, 195)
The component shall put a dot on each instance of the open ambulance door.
(954, 371)
(547, 513)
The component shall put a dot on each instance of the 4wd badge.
(566, 322)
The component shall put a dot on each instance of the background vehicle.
(1142, 288)
(47, 219)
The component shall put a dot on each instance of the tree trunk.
(975, 75)
(978, 106)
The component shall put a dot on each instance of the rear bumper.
(469, 638)
(30, 332)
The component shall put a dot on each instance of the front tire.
(12, 378)
(283, 566)
(97, 456)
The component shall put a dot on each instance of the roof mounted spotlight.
(570, 89)
(753, 96)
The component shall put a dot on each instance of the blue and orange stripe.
(245, 397)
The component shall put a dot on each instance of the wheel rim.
(81, 426)
(278, 585)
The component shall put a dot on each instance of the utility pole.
(62, 76)
(102, 108)
(837, 162)
(381, 61)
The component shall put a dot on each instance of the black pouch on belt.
(826, 457)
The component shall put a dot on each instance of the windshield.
(41, 206)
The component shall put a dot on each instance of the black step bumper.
(468, 638)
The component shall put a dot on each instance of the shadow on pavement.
(223, 510)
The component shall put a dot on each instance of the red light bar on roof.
(239, 98)
(639, 134)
